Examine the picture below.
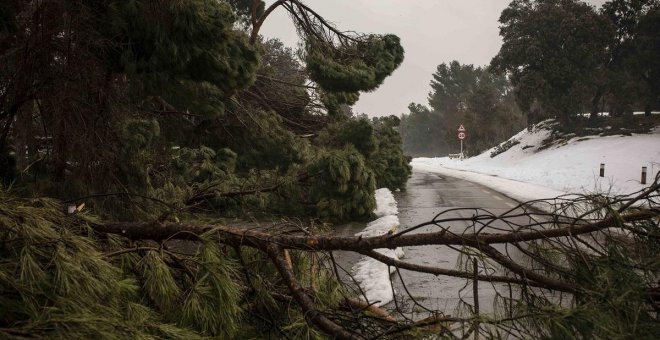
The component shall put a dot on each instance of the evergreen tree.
(390, 165)
(451, 86)
(148, 84)
(630, 86)
(553, 50)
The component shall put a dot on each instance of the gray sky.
(431, 32)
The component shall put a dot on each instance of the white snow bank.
(524, 172)
(385, 203)
(374, 276)
(380, 226)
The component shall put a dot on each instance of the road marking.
(485, 192)
(511, 205)
(497, 198)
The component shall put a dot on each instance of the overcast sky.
(431, 32)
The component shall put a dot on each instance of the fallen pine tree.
(70, 275)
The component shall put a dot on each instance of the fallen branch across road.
(630, 216)
(544, 267)
(257, 239)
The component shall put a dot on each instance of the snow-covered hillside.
(529, 171)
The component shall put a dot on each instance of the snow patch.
(380, 226)
(526, 173)
(385, 203)
(372, 275)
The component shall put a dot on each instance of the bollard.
(602, 169)
(643, 175)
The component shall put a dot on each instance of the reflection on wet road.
(426, 195)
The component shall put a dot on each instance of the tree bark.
(258, 239)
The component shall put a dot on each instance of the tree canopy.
(124, 98)
(566, 58)
(552, 49)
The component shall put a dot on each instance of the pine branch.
(309, 309)
(257, 239)
(458, 273)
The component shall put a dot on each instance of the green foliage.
(55, 282)
(357, 65)
(162, 111)
(136, 138)
(630, 84)
(613, 273)
(281, 83)
(611, 304)
(452, 85)
(264, 143)
(647, 48)
(211, 304)
(333, 101)
(553, 50)
(565, 58)
(357, 132)
(191, 40)
(378, 142)
(170, 110)
(391, 167)
(360, 66)
(58, 279)
(203, 165)
(344, 186)
(243, 8)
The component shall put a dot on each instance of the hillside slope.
(538, 167)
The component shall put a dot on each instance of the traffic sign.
(461, 128)
(461, 135)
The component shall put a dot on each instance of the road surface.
(425, 196)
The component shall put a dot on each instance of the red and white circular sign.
(462, 132)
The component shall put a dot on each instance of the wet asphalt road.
(426, 195)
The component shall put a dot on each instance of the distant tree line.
(482, 101)
(559, 59)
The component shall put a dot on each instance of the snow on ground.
(385, 203)
(524, 172)
(374, 276)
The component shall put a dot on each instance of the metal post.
(643, 175)
(475, 293)
(602, 169)
(461, 149)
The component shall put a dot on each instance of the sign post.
(462, 133)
